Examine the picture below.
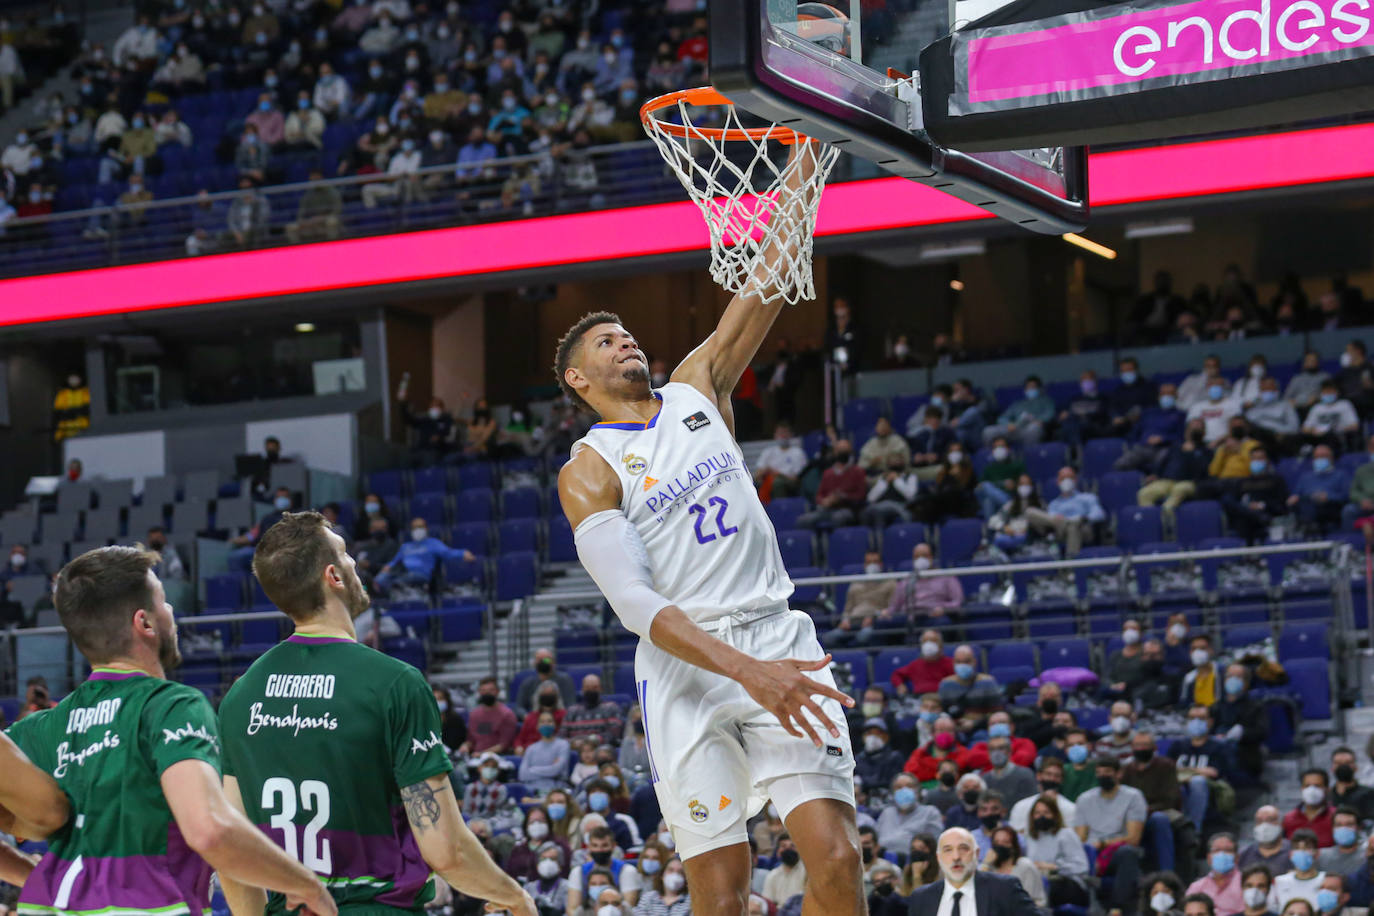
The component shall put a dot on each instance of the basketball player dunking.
(739, 705)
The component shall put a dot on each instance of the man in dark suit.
(965, 891)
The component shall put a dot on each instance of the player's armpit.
(587, 485)
(14, 865)
(451, 849)
(243, 899)
(36, 804)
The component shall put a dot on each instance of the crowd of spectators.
(367, 87)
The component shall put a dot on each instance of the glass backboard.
(842, 72)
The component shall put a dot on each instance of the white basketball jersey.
(711, 546)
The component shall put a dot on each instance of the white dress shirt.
(968, 906)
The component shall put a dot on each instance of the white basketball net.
(761, 215)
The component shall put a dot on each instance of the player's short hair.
(569, 346)
(97, 592)
(289, 562)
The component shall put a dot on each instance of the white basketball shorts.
(716, 756)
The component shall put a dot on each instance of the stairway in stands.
(473, 658)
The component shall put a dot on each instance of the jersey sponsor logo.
(66, 756)
(833, 751)
(86, 717)
(702, 472)
(635, 465)
(421, 746)
(300, 686)
(696, 421)
(698, 811)
(649, 483)
(724, 803)
(171, 735)
(258, 720)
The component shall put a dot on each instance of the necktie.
(954, 911)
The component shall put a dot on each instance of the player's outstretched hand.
(526, 907)
(783, 688)
(318, 903)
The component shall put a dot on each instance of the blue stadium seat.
(813, 442)
(857, 660)
(847, 546)
(796, 548)
(899, 540)
(522, 502)
(861, 412)
(413, 622)
(623, 678)
(1099, 455)
(458, 571)
(474, 536)
(1197, 520)
(889, 660)
(1310, 680)
(1137, 525)
(904, 407)
(805, 594)
(390, 485)
(551, 499)
(461, 623)
(263, 633)
(517, 575)
(1045, 459)
(410, 651)
(429, 480)
(1303, 640)
(560, 548)
(1117, 489)
(984, 623)
(225, 591)
(474, 505)
(1054, 617)
(1236, 615)
(1209, 567)
(1236, 637)
(431, 508)
(1092, 719)
(1012, 674)
(959, 540)
(1111, 557)
(518, 534)
(475, 476)
(1319, 609)
(1066, 653)
(784, 511)
(1350, 462)
(1007, 655)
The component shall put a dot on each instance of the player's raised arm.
(449, 847)
(611, 552)
(722, 358)
(31, 803)
(232, 846)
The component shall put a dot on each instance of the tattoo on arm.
(422, 807)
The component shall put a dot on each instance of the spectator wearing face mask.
(1331, 421)
(545, 671)
(547, 700)
(1312, 814)
(878, 762)
(453, 730)
(170, 567)
(1256, 882)
(998, 480)
(1215, 410)
(1204, 767)
(666, 892)
(491, 724)
(1006, 858)
(594, 716)
(968, 693)
(923, 675)
(1024, 421)
(903, 818)
(1270, 848)
(1223, 881)
(1272, 419)
(1254, 503)
(1049, 780)
(952, 492)
(1348, 853)
(779, 468)
(1202, 685)
(1305, 880)
(930, 438)
(1009, 780)
(1126, 666)
(944, 744)
(417, 559)
(549, 889)
(1086, 415)
(866, 603)
(1321, 492)
(242, 557)
(1070, 515)
(1243, 720)
(789, 878)
(1022, 751)
(486, 797)
(434, 430)
(841, 493)
(544, 764)
(964, 813)
(602, 873)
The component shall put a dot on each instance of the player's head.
(112, 605)
(598, 357)
(304, 569)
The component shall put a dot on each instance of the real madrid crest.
(635, 465)
(698, 811)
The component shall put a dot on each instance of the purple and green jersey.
(107, 744)
(321, 734)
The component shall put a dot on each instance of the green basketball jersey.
(106, 744)
(321, 734)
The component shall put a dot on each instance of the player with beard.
(139, 756)
(335, 748)
(739, 704)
